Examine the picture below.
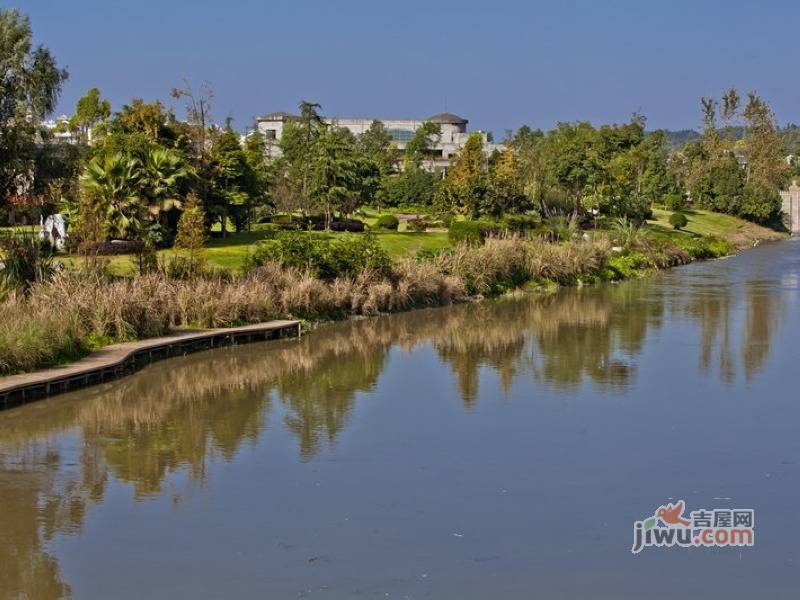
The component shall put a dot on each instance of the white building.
(453, 136)
(59, 127)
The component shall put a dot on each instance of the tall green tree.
(90, 111)
(530, 158)
(658, 179)
(463, 190)
(763, 146)
(573, 165)
(298, 146)
(255, 153)
(334, 178)
(419, 148)
(505, 187)
(378, 161)
(30, 83)
(233, 184)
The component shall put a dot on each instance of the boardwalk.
(118, 360)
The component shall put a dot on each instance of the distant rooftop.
(447, 119)
(277, 116)
(441, 118)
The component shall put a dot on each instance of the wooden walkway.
(118, 360)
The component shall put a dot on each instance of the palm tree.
(164, 171)
(114, 182)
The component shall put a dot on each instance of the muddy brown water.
(501, 449)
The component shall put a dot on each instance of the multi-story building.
(453, 136)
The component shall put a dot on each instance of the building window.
(269, 134)
(400, 135)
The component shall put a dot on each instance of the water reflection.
(56, 456)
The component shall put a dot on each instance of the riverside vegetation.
(75, 312)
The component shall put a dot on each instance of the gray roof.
(447, 119)
(277, 116)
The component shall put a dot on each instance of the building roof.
(447, 119)
(277, 116)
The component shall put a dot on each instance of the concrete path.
(118, 360)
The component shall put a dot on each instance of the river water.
(501, 449)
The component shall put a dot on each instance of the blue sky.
(500, 64)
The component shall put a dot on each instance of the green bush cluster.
(521, 222)
(674, 202)
(707, 247)
(630, 264)
(387, 222)
(470, 232)
(326, 257)
(515, 223)
(678, 220)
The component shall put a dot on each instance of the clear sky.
(498, 63)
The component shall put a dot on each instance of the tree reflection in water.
(180, 414)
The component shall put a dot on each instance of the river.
(501, 449)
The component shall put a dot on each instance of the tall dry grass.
(74, 313)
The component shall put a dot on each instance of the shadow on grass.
(671, 231)
(244, 238)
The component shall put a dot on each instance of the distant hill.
(790, 134)
(791, 139)
(678, 139)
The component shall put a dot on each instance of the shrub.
(468, 232)
(629, 265)
(678, 220)
(158, 235)
(561, 228)
(417, 225)
(110, 248)
(352, 226)
(293, 226)
(628, 234)
(325, 257)
(674, 202)
(180, 267)
(26, 260)
(387, 222)
(521, 223)
(707, 247)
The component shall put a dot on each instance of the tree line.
(132, 173)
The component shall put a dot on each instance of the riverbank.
(75, 314)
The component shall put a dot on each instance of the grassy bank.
(76, 313)
(703, 223)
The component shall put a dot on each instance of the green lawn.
(230, 253)
(408, 243)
